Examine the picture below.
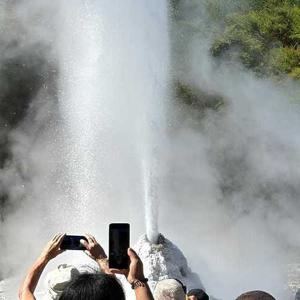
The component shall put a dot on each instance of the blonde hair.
(169, 289)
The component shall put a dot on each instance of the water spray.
(151, 206)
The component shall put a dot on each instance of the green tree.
(264, 38)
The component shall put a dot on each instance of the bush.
(265, 39)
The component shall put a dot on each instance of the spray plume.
(231, 189)
(80, 152)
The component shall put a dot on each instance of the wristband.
(139, 283)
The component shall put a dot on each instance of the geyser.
(100, 158)
(113, 90)
(93, 156)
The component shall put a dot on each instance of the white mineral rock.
(165, 260)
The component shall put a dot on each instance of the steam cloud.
(234, 172)
(78, 156)
(230, 194)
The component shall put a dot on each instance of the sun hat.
(57, 279)
(169, 289)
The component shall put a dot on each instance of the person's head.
(57, 279)
(297, 296)
(93, 287)
(255, 295)
(197, 294)
(169, 289)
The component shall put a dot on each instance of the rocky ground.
(165, 260)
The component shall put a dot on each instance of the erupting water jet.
(151, 206)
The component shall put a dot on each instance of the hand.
(51, 250)
(135, 271)
(93, 249)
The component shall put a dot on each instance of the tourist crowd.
(68, 283)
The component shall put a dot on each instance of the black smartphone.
(118, 245)
(72, 242)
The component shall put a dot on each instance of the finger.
(87, 252)
(89, 238)
(85, 244)
(57, 237)
(60, 239)
(118, 271)
(132, 254)
(108, 272)
(93, 239)
(54, 237)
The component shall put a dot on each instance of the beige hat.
(169, 289)
(57, 279)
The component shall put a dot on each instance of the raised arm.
(135, 277)
(33, 275)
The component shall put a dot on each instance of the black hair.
(93, 287)
(198, 293)
(256, 295)
(297, 296)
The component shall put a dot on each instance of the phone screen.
(72, 242)
(118, 245)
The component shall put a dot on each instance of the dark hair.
(198, 293)
(297, 296)
(93, 287)
(183, 286)
(255, 295)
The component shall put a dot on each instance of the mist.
(228, 180)
(81, 151)
(233, 171)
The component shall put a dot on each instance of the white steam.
(233, 194)
(79, 156)
(231, 191)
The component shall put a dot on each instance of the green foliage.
(196, 98)
(295, 73)
(289, 59)
(265, 38)
(259, 4)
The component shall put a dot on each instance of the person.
(197, 294)
(89, 286)
(169, 289)
(297, 296)
(102, 287)
(255, 295)
(93, 287)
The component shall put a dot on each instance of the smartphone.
(118, 245)
(72, 242)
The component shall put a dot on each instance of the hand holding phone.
(53, 247)
(72, 242)
(92, 248)
(135, 272)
